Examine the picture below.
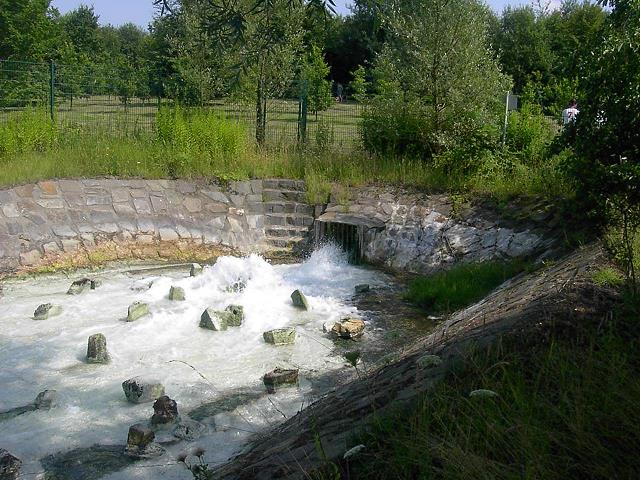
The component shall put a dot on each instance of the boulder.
(236, 315)
(189, 430)
(46, 400)
(280, 336)
(165, 410)
(83, 284)
(137, 310)
(97, 349)
(280, 376)
(236, 287)
(363, 288)
(349, 327)
(176, 293)
(299, 300)
(196, 269)
(214, 319)
(9, 465)
(47, 310)
(139, 390)
(140, 442)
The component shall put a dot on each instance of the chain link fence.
(104, 100)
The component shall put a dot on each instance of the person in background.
(339, 92)
(570, 113)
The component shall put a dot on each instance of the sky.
(140, 12)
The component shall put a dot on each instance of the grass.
(567, 408)
(198, 144)
(462, 285)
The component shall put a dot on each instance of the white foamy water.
(50, 354)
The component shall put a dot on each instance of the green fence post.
(302, 113)
(52, 78)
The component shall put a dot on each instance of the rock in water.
(299, 300)
(214, 320)
(9, 465)
(45, 400)
(97, 349)
(189, 430)
(139, 390)
(136, 311)
(165, 410)
(47, 310)
(80, 286)
(363, 288)
(349, 327)
(280, 336)
(196, 269)
(176, 293)
(236, 315)
(140, 442)
(279, 376)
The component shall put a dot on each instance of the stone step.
(289, 207)
(286, 231)
(285, 219)
(284, 242)
(274, 195)
(283, 184)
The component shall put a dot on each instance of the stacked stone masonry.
(412, 232)
(54, 218)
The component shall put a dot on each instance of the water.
(50, 354)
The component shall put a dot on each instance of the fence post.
(302, 113)
(506, 119)
(52, 78)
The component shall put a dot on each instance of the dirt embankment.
(559, 293)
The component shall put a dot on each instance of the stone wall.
(423, 233)
(411, 232)
(53, 218)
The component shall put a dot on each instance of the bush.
(201, 132)
(28, 131)
(529, 134)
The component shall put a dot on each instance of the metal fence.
(95, 100)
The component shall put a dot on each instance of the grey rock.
(280, 336)
(363, 288)
(196, 269)
(189, 430)
(280, 376)
(97, 349)
(140, 443)
(83, 284)
(47, 310)
(236, 315)
(165, 410)
(176, 293)
(9, 465)
(46, 400)
(299, 300)
(137, 310)
(139, 390)
(236, 287)
(214, 320)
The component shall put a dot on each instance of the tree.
(28, 30)
(438, 83)
(607, 138)
(359, 84)
(314, 76)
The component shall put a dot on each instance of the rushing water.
(50, 354)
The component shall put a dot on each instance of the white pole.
(506, 119)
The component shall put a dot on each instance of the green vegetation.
(608, 276)
(566, 408)
(462, 285)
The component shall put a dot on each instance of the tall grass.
(460, 286)
(200, 143)
(567, 409)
